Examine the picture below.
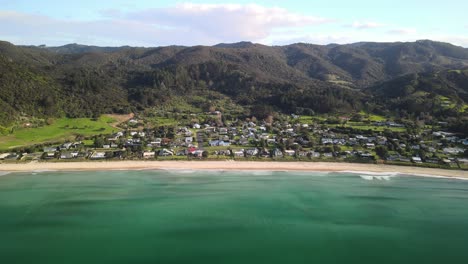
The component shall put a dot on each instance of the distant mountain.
(238, 45)
(77, 48)
(80, 80)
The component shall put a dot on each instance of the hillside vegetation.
(85, 81)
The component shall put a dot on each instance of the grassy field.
(372, 117)
(61, 129)
(162, 121)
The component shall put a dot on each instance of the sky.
(152, 23)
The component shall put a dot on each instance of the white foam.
(3, 173)
(367, 177)
(437, 176)
(375, 177)
(373, 173)
(43, 170)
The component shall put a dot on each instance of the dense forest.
(406, 79)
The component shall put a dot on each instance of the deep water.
(231, 217)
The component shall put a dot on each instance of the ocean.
(182, 216)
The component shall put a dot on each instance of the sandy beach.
(231, 165)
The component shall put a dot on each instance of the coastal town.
(357, 138)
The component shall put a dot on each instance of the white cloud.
(226, 22)
(402, 31)
(203, 24)
(365, 25)
(182, 24)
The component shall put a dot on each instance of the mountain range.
(401, 78)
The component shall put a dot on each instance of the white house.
(148, 154)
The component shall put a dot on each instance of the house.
(4, 156)
(432, 160)
(370, 145)
(188, 140)
(366, 155)
(314, 154)
(223, 131)
(196, 126)
(464, 141)
(277, 153)
(68, 155)
(224, 138)
(416, 159)
(98, 155)
(50, 149)
(210, 129)
(265, 153)
(453, 151)
(243, 141)
(165, 152)
(191, 150)
(214, 143)
(66, 146)
(198, 153)
(251, 152)
(360, 137)
(156, 142)
(148, 154)
(183, 152)
(289, 152)
(239, 153)
(223, 152)
(339, 141)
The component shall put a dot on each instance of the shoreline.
(232, 165)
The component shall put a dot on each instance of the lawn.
(162, 121)
(364, 126)
(372, 117)
(61, 129)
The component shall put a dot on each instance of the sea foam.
(3, 173)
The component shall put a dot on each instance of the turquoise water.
(231, 217)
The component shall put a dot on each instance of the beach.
(230, 165)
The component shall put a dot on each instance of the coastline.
(232, 165)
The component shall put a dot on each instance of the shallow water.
(231, 217)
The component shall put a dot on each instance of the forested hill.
(78, 80)
(442, 92)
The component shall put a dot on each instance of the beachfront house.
(148, 155)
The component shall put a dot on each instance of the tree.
(382, 151)
(98, 142)
(205, 154)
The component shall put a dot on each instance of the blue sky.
(160, 23)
